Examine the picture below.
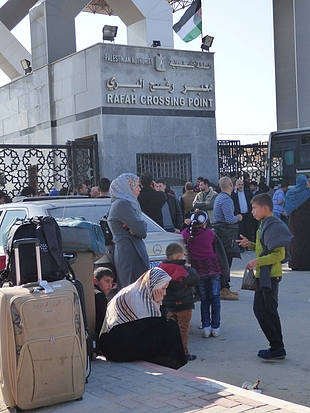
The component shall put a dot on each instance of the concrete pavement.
(232, 357)
(142, 387)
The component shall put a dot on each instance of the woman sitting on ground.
(135, 329)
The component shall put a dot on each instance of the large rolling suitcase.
(42, 341)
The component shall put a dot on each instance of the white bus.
(288, 155)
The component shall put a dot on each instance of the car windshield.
(93, 213)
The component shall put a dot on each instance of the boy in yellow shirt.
(272, 237)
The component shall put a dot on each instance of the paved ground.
(231, 358)
(143, 387)
(202, 385)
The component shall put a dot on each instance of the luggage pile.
(43, 334)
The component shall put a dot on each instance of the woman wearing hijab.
(128, 229)
(297, 206)
(134, 328)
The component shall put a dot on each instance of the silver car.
(92, 209)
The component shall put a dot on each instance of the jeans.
(265, 307)
(209, 287)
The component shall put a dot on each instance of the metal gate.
(174, 167)
(47, 167)
(233, 157)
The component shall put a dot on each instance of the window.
(175, 168)
(8, 219)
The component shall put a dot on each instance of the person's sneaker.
(272, 354)
(191, 357)
(206, 332)
(215, 332)
(226, 294)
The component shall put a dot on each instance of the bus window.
(288, 155)
(289, 158)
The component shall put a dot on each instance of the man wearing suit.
(242, 203)
(151, 201)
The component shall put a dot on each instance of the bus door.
(303, 159)
(282, 158)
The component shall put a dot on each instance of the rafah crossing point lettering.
(147, 100)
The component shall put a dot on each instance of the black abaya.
(299, 225)
(153, 339)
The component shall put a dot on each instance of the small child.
(179, 299)
(271, 238)
(204, 259)
(103, 283)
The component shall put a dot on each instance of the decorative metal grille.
(233, 157)
(45, 167)
(101, 6)
(175, 168)
(179, 4)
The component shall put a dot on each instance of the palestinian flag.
(190, 25)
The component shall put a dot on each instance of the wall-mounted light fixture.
(109, 33)
(207, 42)
(156, 43)
(26, 65)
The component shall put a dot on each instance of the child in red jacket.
(179, 299)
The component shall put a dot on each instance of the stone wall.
(134, 99)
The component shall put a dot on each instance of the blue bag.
(80, 235)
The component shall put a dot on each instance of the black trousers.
(245, 226)
(154, 339)
(265, 307)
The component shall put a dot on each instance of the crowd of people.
(149, 317)
(219, 222)
(81, 189)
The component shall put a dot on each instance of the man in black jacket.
(242, 203)
(151, 201)
(172, 213)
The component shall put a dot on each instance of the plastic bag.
(249, 281)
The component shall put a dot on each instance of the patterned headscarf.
(121, 188)
(136, 300)
(297, 196)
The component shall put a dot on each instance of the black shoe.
(191, 357)
(272, 354)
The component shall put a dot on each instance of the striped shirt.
(224, 209)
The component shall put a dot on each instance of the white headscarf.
(122, 188)
(136, 300)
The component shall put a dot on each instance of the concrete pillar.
(11, 50)
(292, 62)
(13, 11)
(52, 29)
(145, 21)
(11, 53)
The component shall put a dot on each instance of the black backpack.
(108, 237)
(46, 229)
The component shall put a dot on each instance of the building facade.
(148, 108)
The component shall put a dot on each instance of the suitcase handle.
(16, 245)
(21, 241)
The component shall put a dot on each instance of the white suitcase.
(42, 343)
